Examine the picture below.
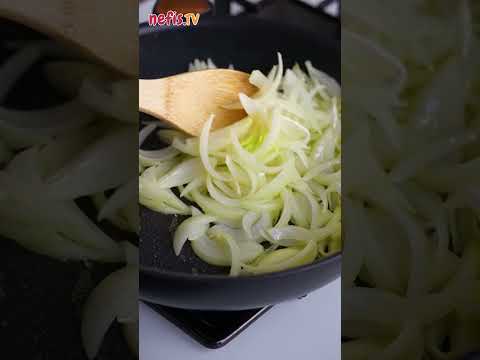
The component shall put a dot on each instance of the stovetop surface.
(212, 329)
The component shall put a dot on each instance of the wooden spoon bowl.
(187, 100)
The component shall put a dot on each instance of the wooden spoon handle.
(50, 17)
(93, 26)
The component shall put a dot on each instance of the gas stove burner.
(212, 329)
(329, 7)
(237, 7)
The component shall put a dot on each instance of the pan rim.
(145, 29)
(159, 273)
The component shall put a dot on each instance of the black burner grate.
(212, 329)
(328, 7)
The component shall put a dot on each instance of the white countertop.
(306, 329)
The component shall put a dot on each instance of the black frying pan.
(248, 43)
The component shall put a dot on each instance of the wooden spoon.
(106, 30)
(187, 100)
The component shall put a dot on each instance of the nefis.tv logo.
(172, 18)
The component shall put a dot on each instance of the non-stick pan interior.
(248, 44)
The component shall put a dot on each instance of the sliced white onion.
(191, 229)
(295, 258)
(204, 150)
(219, 196)
(114, 298)
(154, 157)
(120, 198)
(183, 173)
(248, 220)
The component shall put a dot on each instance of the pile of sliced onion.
(411, 265)
(266, 190)
(50, 157)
